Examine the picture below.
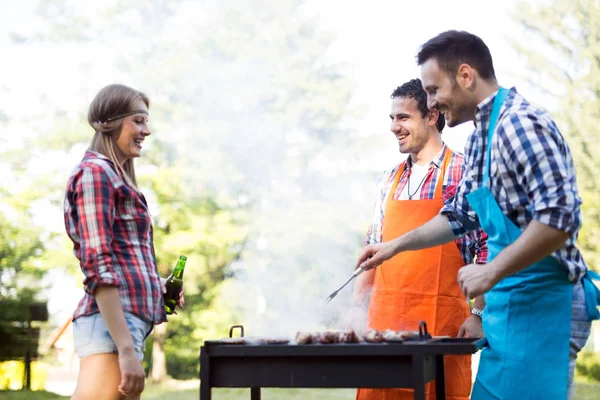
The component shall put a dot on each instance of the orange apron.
(418, 286)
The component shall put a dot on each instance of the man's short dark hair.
(413, 89)
(453, 48)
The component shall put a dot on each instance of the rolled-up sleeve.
(540, 157)
(479, 248)
(375, 231)
(95, 207)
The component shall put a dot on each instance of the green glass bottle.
(174, 285)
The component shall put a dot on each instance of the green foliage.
(20, 244)
(563, 55)
(11, 375)
(245, 114)
(20, 269)
(211, 235)
(30, 395)
(588, 365)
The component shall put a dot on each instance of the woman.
(107, 218)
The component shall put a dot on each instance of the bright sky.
(376, 42)
(379, 40)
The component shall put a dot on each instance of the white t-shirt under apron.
(417, 176)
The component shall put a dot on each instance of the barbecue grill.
(408, 364)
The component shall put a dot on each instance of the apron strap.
(498, 101)
(439, 184)
(395, 182)
(592, 294)
(441, 175)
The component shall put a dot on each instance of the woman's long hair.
(110, 102)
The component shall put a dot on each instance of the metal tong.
(356, 273)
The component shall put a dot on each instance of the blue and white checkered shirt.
(532, 175)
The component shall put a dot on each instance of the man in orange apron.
(420, 285)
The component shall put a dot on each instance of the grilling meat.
(303, 338)
(233, 340)
(348, 336)
(393, 336)
(374, 336)
(328, 337)
(316, 337)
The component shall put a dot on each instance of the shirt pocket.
(83, 330)
(131, 211)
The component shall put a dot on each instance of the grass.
(27, 395)
(174, 393)
(188, 390)
(585, 391)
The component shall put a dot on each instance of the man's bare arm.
(435, 232)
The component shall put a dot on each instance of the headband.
(126, 115)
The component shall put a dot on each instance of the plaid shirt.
(469, 245)
(532, 175)
(109, 224)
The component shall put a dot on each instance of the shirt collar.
(437, 161)
(89, 154)
(485, 107)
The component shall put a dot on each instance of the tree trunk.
(159, 360)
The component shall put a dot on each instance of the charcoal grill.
(409, 364)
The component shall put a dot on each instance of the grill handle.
(423, 334)
(236, 326)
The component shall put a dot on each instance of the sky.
(380, 39)
(375, 43)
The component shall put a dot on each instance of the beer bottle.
(174, 285)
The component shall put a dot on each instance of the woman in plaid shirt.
(107, 218)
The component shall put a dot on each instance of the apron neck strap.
(498, 101)
(440, 182)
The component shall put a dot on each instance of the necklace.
(410, 196)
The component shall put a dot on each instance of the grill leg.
(255, 393)
(440, 378)
(205, 392)
(418, 378)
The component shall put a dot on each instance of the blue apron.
(527, 318)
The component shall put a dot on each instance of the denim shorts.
(91, 335)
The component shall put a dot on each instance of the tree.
(211, 235)
(21, 241)
(20, 248)
(251, 116)
(190, 220)
(563, 53)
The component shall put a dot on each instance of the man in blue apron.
(520, 187)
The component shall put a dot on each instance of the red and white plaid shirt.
(110, 226)
(470, 245)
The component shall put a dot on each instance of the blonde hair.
(110, 102)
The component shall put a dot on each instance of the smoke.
(297, 255)
(259, 117)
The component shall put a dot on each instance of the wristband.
(477, 311)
